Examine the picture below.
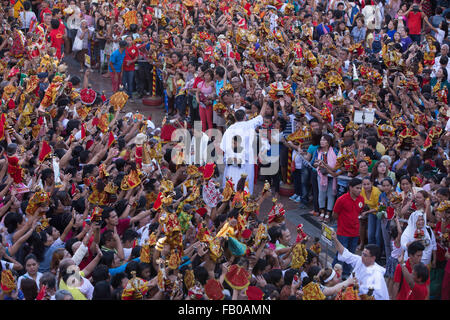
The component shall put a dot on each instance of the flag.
(74, 188)
(111, 139)
(2, 126)
(33, 24)
(45, 151)
(41, 293)
(83, 131)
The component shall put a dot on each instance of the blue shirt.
(117, 59)
(120, 269)
(312, 150)
(391, 33)
(44, 266)
(320, 29)
(405, 43)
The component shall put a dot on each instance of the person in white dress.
(198, 148)
(237, 145)
(417, 229)
(370, 275)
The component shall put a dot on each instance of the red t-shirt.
(62, 27)
(440, 252)
(57, 40)
(415, 22)
(405, 290)
(123, 225)
(131, 53)
(197, 82)
(418, 292)
(348, 211)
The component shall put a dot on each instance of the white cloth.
(368, 277)
(143, 234)
(127, 252)
(86, 288)
(211, 194)
(26, 17)
(202, 157)
(234, 172)
(408, 236)
(27, 276)
(245, 131)
(437, 66)
(297, 159)
(6, 265)
(79, 254)
(372, 17)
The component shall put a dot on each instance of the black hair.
(414, 247)
(354, 182)
(108, 235)
(312, 272)
(289, 276)
(274, 276)
(373, 249)
(135, 252)
(260, 265)
(28, 257)
(129, 235)
(100, 273)
(54, 23)
(27, 5)
(220, 71)
(29, 289)
(388, 179)
(275, 233)
(107, 258)
(239, 115)
(102, 291)
(201, 274)
(69, 244)
(131, 266)
(107, 212)
(444, 192)
(48, 279)
(116, 280)
(12, 220)
(84, 156)
(421, 271)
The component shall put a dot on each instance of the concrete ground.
(294, 215)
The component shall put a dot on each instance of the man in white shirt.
(244, 152)
(198, 147)
(440, 62)
(372, 17)
(370, 275)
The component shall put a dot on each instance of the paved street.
(294, 215)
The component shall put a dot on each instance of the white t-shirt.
(127, 252)
(440, 35)
(86, 288)
(26, 17)
(6, 265)
(298, 162)
(27, 276)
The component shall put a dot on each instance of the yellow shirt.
(374, 197)
(381, 149)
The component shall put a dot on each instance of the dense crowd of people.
(344, 104)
